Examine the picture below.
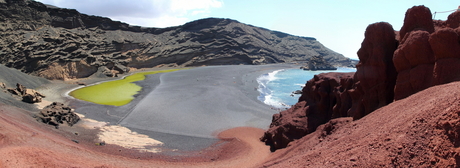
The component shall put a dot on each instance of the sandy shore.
(201, 117)
(186, 109)
(26, 143)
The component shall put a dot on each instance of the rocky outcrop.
(60, 43)
(334, 95)
(317, 105)
(26, 95)
(375, 71)
(417, 18)
(57, 113)
(317, 63)
(427, 54)
(426, 57)
(419, 131)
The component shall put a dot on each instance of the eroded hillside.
(58, 43)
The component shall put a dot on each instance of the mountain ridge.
(58, 43)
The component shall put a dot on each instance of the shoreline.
(26, 143)
(187, 142)
(240, 147)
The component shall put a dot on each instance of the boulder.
(57, 113)
(21, 89)
(32, 96)
(297, 92)
(26, 95)
(318, 63)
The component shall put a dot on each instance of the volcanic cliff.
(393, 65)
(58, 43)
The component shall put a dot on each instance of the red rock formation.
(334, 95)
(317, 105)
(287, 126)
(414, 60)
(417, 18)
(446, 47)
(428, 54)
(453, 20)
(375, 70)
(426, 58)
(422, 130)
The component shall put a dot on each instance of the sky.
(337, 24)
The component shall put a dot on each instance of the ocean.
(276, 87)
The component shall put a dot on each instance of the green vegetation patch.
(117, 92)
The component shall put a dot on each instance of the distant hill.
(58, 43)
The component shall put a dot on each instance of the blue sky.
(337, 24)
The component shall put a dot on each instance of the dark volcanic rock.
(57, 113)
(60, 43)
(26, 95)
(317, 63)
(297, 92)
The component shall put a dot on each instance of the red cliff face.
(324, 97)
(375, 70)
(428, 54)
(425, 57)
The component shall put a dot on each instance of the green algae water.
(117, 92)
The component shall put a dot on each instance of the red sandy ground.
(26, 143)
(422, 130)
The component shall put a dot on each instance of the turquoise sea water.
(276, 87)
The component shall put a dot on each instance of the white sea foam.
(276, 87)
(300, 85)
(265, 92)
(272, 101)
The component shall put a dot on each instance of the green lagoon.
(117, 92)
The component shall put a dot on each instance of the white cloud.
(163, 21)
(194, 6)
(152, 13)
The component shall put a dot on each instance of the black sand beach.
(185, 109)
